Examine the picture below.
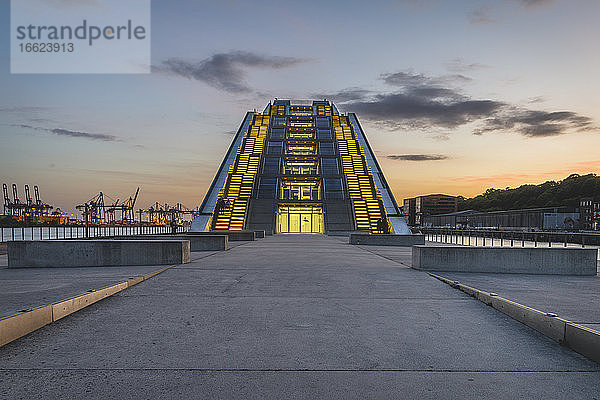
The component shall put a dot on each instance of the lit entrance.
(300, 219)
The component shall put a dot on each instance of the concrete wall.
(96, 253)
(386, 240)
(197, 242)
(232, 235)
(511, 260)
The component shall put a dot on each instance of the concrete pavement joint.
(579, 338)
(305, 297)
(483, 371)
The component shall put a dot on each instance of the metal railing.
(486, 237)
(81, 232)
(495, 238)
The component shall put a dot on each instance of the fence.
(478, 237)
(79, 232)
(483, 237)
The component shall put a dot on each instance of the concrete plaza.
(290, 316)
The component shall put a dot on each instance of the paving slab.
(574, 298)
(309, 385)
(25, 288)
(293, 316)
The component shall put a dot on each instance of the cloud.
(417, 157)
(484, 14)
(225, 71)
(349, 94)
(481, 15)
(459, 66)
(489, 179)
(536, 99)
(532, 123)
(535, 3)
(413, 80)
(428, 110)
(422, 102)
(75, 134)
(23, 109)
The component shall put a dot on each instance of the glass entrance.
(300, 219)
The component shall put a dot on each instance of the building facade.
(300, 167)
(590, 213)
(417, 208)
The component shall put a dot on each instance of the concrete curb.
(18, 325)
(584, 341)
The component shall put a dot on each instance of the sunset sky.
(455, 96)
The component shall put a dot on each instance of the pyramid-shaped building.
(300, 167)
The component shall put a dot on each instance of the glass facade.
(301, 189)
(300, 161)
(300, 219)
(300, 166)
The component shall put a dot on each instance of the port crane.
(28, 207)
(96, 211)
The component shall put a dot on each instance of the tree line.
(566, 192)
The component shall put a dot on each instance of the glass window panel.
(329, 166)
(274, 147)
(267, 188)
(277, 133)
(300, 133)
(271, 165)
(279, 121)
(299, 219)
(300, 148)
(300, 167)
(301, 110)
(326, 148)
(322, 122)
(333, 189)
(301, 190)
(324, 134)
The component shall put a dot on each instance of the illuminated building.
(590, 213)
(300, 167)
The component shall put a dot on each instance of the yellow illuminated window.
(300, 133)
(301, 110)
(301, 121)
(278, 109)
(300, 167)
(301, 189)
(300, 148)
(300, 219)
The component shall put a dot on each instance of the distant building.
(590, 213)
(417, 208)
(409, 211)
(546, 218)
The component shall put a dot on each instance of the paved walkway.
(293, 317)
(575, 298)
